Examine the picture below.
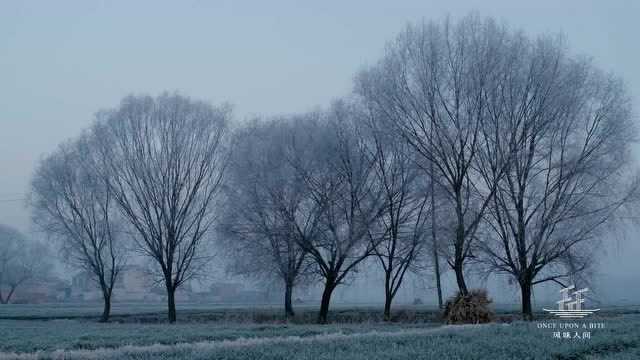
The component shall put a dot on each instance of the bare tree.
(340, 176)
(71, 201)
(435, 83)
(165, 158)
(21, 261)
(570, 169)
(401, 230)
(267, 211)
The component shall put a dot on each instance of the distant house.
(224, 292)
(51, 289)
(135, 283)
(250, 296)
(229, 292)
(84, 288)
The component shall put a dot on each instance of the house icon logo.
(570, 305)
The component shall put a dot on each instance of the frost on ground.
(127, 351)
(620, 340)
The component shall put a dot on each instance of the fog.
(60, 62)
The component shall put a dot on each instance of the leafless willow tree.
(402, 229)
(340, 177)
(71, 202)
(268, 210)
(21, 261)
(435, 84)
(165, 158)
(570, 174)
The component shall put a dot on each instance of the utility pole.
(436, 257)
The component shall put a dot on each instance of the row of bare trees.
(467, 142)
(529, 144)
(145, 173)
(522, 149)
(314, 195)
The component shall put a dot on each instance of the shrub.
(472, 308)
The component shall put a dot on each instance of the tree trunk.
(171, 303)
(458, 269)
(527, 310)
(288, 294)
(388, 296)
(438, 281)
(10, 294)
(106, 312)
(458, 265)
(326, 300)
(387, 307)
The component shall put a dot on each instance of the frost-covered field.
(80, 338)
(31, 336)
(193, 312)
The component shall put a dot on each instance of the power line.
(9, 200)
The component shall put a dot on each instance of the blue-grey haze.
(60, 61)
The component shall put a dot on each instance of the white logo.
(570, 306)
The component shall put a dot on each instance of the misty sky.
(60, 61)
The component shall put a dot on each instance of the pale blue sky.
(60, 61)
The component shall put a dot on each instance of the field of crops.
(71, 334)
